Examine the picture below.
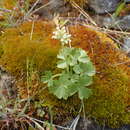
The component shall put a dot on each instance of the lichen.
(110, 98)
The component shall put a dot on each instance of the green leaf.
(83, 57)
(61, 92)
(72, 89)
(90, 69)
(64, 78)
(63, 53)
(84, 92)
(60, 87)
(64, 87)
(87, 68)
(71, 60)
(62, 64)
(119, 9)
(50, 83)
(85, 80)
(77, 69)
(74, 78)
(83, 67)
(47, 77)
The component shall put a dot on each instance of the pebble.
(126, 45)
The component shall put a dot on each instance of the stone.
(7, 87)
(104, 21)
(85, 124)
(126, 46)
(127, 1)
(103, 6)
(53, 7)
(124, 22)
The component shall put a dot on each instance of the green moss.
(9, 4)
(19, 49)
(110, 98)
(1, 50)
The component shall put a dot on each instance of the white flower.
(62, 35)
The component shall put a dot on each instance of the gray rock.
(105, 21)
(127, 1)
(103, 6)
(58, 6)
(124, 22)
(54, 7)
(7, 85)
(126, 45)
(85, 124)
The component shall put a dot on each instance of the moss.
(111, 86)
(110, 98)
(102, 50)
(19, 49)
(1, 50)
(9, 4)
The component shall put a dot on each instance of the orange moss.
(102, 50)
(111, 87)
(11, 4)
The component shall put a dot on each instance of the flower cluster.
(62, 35)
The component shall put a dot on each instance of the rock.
(54, 7)
(90, 125)
(59, 6)
(116, 23)
(123, 22)
(7, 87)
(127, 1)
(105, 21)
(126, 45)
(103, 6)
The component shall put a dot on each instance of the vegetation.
(77, 70)
(61, 71)
(111, 84)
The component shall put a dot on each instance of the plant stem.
(56, 75)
